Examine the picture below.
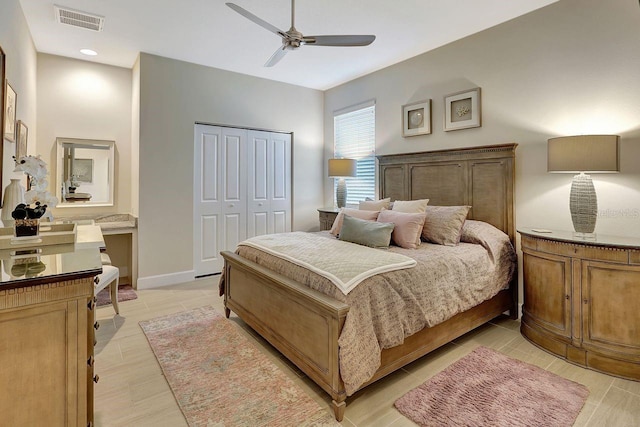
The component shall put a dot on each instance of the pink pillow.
(408, 227)
(356, 213)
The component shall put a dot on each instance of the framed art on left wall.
(2, 78)
(10, 104)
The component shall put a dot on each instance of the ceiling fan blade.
(359, 40)
(277, 56)
(264, 24)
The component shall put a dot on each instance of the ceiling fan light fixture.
(293, 38)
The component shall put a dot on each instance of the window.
(355, 138)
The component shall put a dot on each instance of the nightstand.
(327, 216)
(581, 299)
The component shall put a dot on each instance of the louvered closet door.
(269, 183)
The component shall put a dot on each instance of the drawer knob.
(96, 280)
(91, 361)
(567, 297)
(91, 305)
(96, 325)
(586, 301)
(96, 378)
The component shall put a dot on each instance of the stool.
(110, 277)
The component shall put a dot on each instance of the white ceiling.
(209, 33)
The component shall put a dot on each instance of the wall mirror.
(85, 172)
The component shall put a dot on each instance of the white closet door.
(269, 183)
(220, 200)
(280, 212)
(260, 155)
(207, 200)
(242, 188)
(233, 180)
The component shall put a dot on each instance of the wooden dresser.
(327, 216)
(582, 299)
(47, 336)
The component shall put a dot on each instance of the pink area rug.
(220, 378)
(487, 388)
(125, 293)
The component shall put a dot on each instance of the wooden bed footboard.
(303, 324)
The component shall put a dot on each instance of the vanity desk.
(47, 333)
(120, 233)
(581, 299)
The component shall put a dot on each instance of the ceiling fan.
(293, 39)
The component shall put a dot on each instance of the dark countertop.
(47, 264)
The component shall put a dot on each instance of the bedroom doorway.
(242, 188)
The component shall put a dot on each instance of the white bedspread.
(344, 264)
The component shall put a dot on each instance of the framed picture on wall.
(416, 118)
(2, 61)
(2, 90)
(10, 102)
(83, 170)
(22, 132)
(462, 110)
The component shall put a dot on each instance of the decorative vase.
(27, 227)
(13, 196)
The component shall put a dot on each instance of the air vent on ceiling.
(76, 18)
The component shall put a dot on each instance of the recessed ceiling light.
(88, 52)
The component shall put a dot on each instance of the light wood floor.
(133, 392)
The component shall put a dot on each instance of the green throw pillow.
(368, 233)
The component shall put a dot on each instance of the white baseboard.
(161, 280)
(519, 310)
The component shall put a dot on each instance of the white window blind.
(354, 138)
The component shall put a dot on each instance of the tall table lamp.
(580, 154)
(341, 168)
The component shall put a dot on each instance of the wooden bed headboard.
(480, 177)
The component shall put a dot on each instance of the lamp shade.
(583, 153)
(343, 167)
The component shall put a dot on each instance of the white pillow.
(374, 205)
(410, 206)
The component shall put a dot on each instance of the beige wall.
(21, 60)
(81, 99)
(174, 95)
(570, 68)
(567, 69)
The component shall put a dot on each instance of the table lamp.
(580, 154)
(341, 168)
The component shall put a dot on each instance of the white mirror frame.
(59, 171)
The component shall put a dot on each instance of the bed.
(305, 325)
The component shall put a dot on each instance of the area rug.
(487, 388)
(125, 293)
(220, 378)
